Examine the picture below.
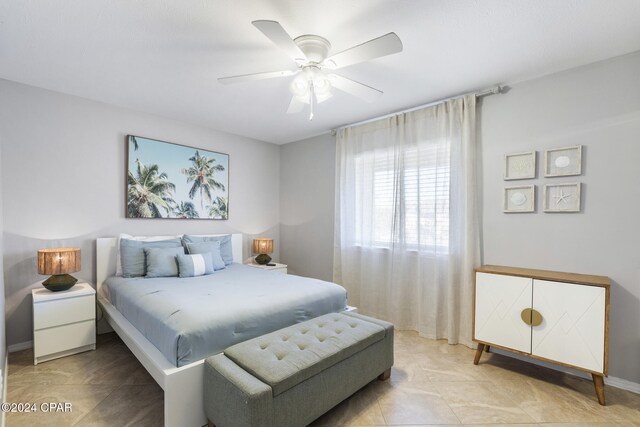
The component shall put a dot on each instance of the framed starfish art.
(563, 197)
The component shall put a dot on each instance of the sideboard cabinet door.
(499, 301)
(573, 326)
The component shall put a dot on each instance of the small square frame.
(519, 199)
(563, 197)
(520, 165)
(565, 161)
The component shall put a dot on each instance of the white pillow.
(140, 239)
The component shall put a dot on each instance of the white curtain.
(407, 220)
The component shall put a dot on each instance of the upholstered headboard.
(106, 256)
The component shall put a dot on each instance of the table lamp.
(263, 247)
(59, 262)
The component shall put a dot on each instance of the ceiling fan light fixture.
(318, 99)
(311, 79)
(321, 84)
(300, 86)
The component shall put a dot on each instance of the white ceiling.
(164, 56)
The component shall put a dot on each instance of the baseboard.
(19, 346)
(610, 381)
(623, 384)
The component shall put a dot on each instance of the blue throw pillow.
(211, 248)
(132, 254)
(226, 250)
(194, 265)
(161, 262)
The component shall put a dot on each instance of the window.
(403, 198)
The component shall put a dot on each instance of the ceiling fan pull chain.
(311, 93)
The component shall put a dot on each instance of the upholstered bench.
(292, 376)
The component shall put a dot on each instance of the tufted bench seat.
(292, 376)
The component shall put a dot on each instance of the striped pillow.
(194, 265)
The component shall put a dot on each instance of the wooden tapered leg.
(385, 375)
(598, 382)
(479, 351)
(487, 348)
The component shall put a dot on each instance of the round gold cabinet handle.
(536, 318)
(531, 317)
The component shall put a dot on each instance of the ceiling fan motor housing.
(316, 48)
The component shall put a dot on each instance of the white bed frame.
(183, 387)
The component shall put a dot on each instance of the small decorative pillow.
(226, 251)
(139, 239)
(194, 265)
(212, 248)
(161, 262)
(133, 258)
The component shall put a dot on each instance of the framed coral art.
(520, 165)
(166, 180)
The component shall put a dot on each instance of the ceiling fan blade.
(274, 32)
(354, 88)
(256, 76)
(376, 48)
(295, 106)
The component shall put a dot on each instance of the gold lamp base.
(263, 259)
(60, 282)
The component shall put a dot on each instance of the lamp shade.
(58, 261)
(262, 246)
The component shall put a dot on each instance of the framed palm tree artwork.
(166, 180)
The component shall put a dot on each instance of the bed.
(268, 301)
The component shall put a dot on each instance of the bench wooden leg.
(479, 351)
(487, 348)
(385, 375)
(598, 382)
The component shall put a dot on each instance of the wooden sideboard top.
(558, 276)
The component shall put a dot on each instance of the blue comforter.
(188, 319)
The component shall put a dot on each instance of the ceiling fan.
(314, 79)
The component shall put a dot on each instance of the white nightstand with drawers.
(64, 322)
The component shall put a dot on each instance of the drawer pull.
(531, 317)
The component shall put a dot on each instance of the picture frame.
(564, 161)
(519, 199)
(167, 180)
(563, 197)
(520, 165)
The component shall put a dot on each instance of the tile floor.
(432, 383)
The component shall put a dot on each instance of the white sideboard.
(552, 316)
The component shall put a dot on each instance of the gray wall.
(597, 106)
(307, 206)
(63, 176)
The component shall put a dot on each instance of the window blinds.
(402, 198)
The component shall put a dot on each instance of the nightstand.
(64, 323)
(278, 268)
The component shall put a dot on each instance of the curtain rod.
(498, 89)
